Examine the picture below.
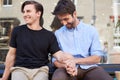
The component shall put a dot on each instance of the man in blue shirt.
(81, 41)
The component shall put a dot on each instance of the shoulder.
(60, 30)
(47, 32)
(17, 28)
(88, 28)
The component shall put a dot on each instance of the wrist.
(76, 60)
(3, 78)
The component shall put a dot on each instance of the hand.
(1, 79)
(70, 62)
(65, 56)
(72, 71)
(71, 67)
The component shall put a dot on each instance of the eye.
(28, 11)
(66, 19)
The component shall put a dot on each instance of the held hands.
(71, 71)
(71, 67)
(70, 64)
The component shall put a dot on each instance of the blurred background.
(103, 14)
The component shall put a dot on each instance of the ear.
(75, 14)
(39, 13)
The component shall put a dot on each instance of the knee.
(59, 75)
(59, 78)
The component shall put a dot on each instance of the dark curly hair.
(63, 7)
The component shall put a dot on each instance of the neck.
(77, 22)
(34, 26)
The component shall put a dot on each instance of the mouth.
(68, 25)
(26, 18)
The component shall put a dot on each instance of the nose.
(24, 13)
(63, 22)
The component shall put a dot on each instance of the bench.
(110, 68)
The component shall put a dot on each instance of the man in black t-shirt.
(30, 45)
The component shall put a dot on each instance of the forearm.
(88, 60)
(8, 64)
(59, 64)
(70, 67)
(58, 55)
(62, 56)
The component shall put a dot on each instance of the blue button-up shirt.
(81, 41)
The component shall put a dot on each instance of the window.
(116, 1)
(6, 26)
(7, 2)
(73, 1)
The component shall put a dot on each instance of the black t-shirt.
(32, 46)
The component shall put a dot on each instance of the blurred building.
(114, 56)
(104, 15)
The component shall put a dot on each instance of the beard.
(70, 25)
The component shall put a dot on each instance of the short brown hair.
(37, 5)
(63, 7)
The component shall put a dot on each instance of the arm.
(88, 60)
(72, 70)
(67, 58)
(10, 58)
(60, 63)
(62, 56)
